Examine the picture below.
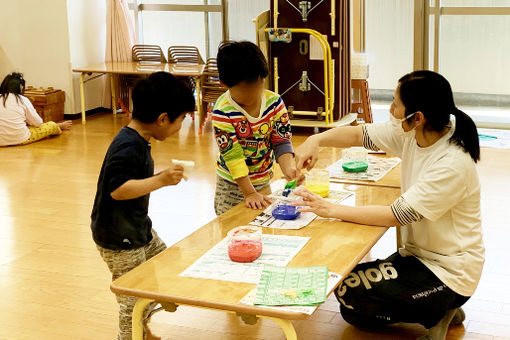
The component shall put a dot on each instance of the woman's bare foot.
(65, 124)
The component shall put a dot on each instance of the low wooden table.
(333, 243)
(138, 68)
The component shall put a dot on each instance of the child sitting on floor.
(19, 122)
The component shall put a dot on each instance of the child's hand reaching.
(172, 175)
(256, 200)
(292, 173)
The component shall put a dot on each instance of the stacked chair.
(211, 89)
(148, 55)
(185, 55)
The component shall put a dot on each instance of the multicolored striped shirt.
(249, 145)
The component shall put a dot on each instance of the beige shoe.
(148, 333)
(459, 317)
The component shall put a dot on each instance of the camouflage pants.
(120, 262)
(229, 194)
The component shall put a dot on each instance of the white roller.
(187, 165)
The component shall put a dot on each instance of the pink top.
(15, 117)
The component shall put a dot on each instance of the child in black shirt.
(121, 227)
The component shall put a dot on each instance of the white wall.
(173, 28)
(45, 40)
(389, 41)
(240, 16)
(473, 50)
(473, 53)
(34, 40)
(87, 39)
(187, 28)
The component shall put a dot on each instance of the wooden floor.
(54, 285)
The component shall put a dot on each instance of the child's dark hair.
(12, 84)
(240, 61)
(430, 93)
(161, 93)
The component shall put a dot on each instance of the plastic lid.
(245, 233)
(285, 212)
(291, 184)
(355, 166)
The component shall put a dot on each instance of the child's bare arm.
(286, 165)
(289, 171)
(135, 188)
(253, 199)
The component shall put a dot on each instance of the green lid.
(355, 166)
(291, 184)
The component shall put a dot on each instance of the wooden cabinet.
(48, 102)
(298, 67)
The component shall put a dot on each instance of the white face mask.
(397, 126)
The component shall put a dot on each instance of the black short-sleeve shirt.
(123, 224)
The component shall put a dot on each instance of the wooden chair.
(360, 95)
(362, 105)
(211, 89)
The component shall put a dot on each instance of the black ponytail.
(12, 84)
(431, 94)
(465, 134)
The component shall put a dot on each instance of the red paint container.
(245, 244)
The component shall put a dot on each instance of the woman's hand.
(307, 154)
(314, 203)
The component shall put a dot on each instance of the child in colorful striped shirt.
(252, 129)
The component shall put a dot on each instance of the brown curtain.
(120, 37)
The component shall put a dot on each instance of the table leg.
(137, 318)
(82, 97)
(198, 87)
(114, 100)
(286, 326)
(399, 238)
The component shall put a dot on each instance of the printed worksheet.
(494, 138)
(333, 279)
(277, 250)
(377, 168)
(292, 286)
(266, 219)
